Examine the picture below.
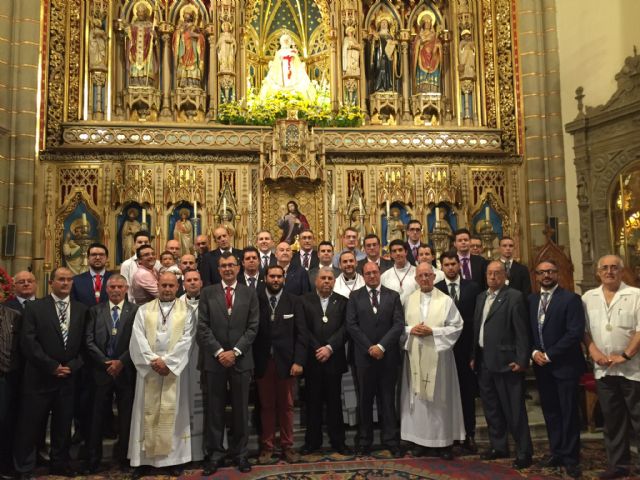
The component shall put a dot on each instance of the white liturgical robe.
(438, 421)
(161, 407)
(401, 280)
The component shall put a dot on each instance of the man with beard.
(280, 352)
(401, 277)
(349, 280)
(145, 278)
(90, 287)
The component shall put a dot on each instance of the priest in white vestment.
(159, 348)
(431, 410)
(401, 277)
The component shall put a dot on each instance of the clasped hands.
(160, 367)
(376, 352)
(607, 361)
(323, 354)
(421, 330)
(227, 358)
(114, 367)
(62, 372)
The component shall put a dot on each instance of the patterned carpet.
(381, 465)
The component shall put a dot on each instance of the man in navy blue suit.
(296, 278)
(91, 287)
(557, 323)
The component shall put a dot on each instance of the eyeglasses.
(610, 268)
(550, 271)
(97, 254)
(228, 265)
(415, 229)
(23, 282)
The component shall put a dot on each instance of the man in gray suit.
(107, 336)
(227, 326)
(501, 351)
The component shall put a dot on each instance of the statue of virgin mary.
(287, 72)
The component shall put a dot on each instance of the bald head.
(24, 284)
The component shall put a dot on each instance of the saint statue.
(427, 54)
(395, 225)
(141, 47)
(188, 50)
(350, 54)
(467, 56)
(183, 232)
(383, 56)
(226, 49)
(130, 227)
(292, 222)
(97, 44)
(287, 72)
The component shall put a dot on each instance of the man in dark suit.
(202, 248)
(375, 321)
(264, 242)
(280, 353)
(325, 313)
(371, 245)
(472, 267)
(210, 273)
(251, 275)
(518, 276)
(464, 294)
(500, 357)
(296, 279)
(227, 327)
(325, 259)
(90, 287)
(307, 257)
(414, 232)
(10, 375)
(107, 336)
(51, 341)
(24, 289)
(558, 322)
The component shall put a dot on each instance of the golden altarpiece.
(144, 123)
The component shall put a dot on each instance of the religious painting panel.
(394, 222)
(131, 219)
(183, 227)
(624, 212)
(77, 227)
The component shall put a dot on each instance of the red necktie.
(228, 296)
(97, 286)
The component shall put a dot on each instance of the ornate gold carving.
(488, 182)
(489, 64)
(506, 76)
(75, 65)
(71, 179)
(56, 87)
(442, 184)
(184, 183)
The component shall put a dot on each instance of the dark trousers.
(377, 381)
(620, 402)
(502, 397)
(9, 405)
(324, 389)
(559, 401)
(468, 391)
(35, 407)
(216, 400)
(103, 395)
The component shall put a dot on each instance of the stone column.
(212, 81)
(119, 69)
(165, 30)
(406, 90)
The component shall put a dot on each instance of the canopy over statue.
(287, 72)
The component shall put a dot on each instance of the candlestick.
(224, 207)
(388, 210)
(486, 213)
(437, 216)
(144, 215)
(195, 209)
(84, 219)
(333, 202)
(360, 205)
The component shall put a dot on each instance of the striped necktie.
(62, 317)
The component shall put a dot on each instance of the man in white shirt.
(401, 277)
(130, 265)
(349, 280)
(613, 339)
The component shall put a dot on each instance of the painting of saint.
(183, 232)
(292, 222)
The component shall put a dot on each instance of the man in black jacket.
(280, 352)
(326, 362)
(210, 274)
(51, 341)
(107, 336)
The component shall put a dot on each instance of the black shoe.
(469, 446)
(343, 450)
(419, 451)
(396, 452)
(90, 468)
(574, 471)
(493, 454)
(522, 462)
(63, 472)
(209, 469)
(308, 450)
(614, 472)
(446, 453)
(243, 465)
(550, 462)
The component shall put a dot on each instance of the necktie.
(252, 282)
(228, 296)
(62, 316)
(415, 253)
(374, 298)
(305, 261)
(466, 272)
(507, 267)
(452, 291)
(542, 311)
(265, 262)
(97, 286)
(274, 302)
(115, 317)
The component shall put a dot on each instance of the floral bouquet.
(6, 285)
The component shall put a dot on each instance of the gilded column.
(118, 28)
(212, 81)
(165, 30)
(404, 49)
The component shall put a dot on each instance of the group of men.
(420, 343)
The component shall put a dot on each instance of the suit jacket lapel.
(497, 303)
(55, 319)
(219, 296)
